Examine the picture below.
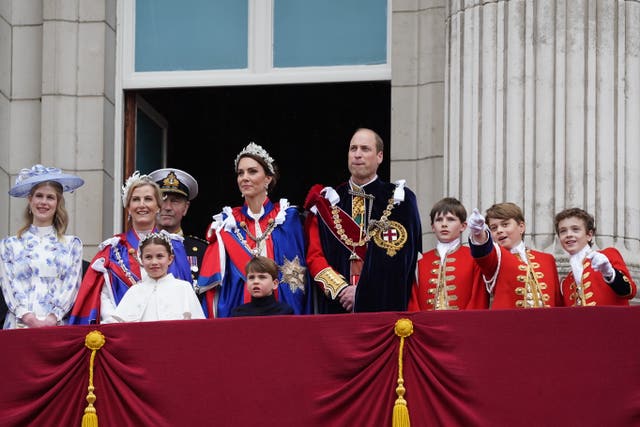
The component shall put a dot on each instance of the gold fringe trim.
(403, 329)
(94, 342)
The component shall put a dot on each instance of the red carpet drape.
(560, 366)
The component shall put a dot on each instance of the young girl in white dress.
(159, 295)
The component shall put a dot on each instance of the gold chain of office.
(258, 240)
(382, 224)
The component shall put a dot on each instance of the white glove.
(476, 223)
(601, 263)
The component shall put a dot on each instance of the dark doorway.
(306, 128)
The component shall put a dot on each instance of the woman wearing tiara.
(258, 227)
(115, 267)
(40, 267)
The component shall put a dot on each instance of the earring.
(29, 210)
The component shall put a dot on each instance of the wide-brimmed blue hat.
(28, 178)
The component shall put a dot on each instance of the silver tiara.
(256, 150)
(162, 234)
(134, 178)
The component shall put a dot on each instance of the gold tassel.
(403, 329)
(94, 341)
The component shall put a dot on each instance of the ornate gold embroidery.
(441, 291)
(393, 238)
(532, 294)
(332, 281)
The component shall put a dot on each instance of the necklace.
(258, 240)
(382, 224)
(124, 268)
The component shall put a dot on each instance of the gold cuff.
(332, 281)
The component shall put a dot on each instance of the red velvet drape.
(560, 366)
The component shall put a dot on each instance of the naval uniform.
(195, 248)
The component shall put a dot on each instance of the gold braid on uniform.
(532, 292)
(579, 294)
(441, 295)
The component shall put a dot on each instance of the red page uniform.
(592, 289)
(515, 283)
(455, 284)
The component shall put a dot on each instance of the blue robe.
(223, 266)
(86, 309)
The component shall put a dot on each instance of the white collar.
(43, 231)
(579, 256)
(576, 260)
(444, 248)
(352, 184)
(163, 279)
(521, 249)
(256, 217)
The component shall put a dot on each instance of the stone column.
(417, 101)
(57, 76)
(543, 109)
(78, 75)
(20, 79)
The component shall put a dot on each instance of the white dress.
(39, 274)
(165, 299)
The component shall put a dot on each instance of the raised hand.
(601, 263)
(476, 223)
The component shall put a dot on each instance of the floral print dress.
(39, 274)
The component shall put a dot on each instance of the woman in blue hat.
(41, 267)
